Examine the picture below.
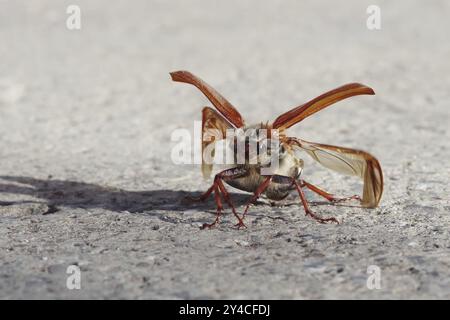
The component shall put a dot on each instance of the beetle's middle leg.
(289, 181)
(327, 195)
(263, 186)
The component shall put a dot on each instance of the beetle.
(278, 184)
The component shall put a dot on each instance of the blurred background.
(101, 96)
(97, 106)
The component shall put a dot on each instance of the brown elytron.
(276, 186)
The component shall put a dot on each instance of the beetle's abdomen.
(250, 182)
(289, 166)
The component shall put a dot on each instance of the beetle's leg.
(289, 181)
(228, 174)
(327, 195)
(218, 187)
(204, 196)
(219, 209)
(306, 206)
(227, 198)
(262, 187)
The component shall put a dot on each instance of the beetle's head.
(257, 144)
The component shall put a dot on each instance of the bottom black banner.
(226, 309)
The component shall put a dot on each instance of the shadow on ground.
(75, 194)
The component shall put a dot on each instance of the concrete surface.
(85, 173)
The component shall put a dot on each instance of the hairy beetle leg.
(327, 195)
(308, 211)
(240, 225)
(319, 219)
(354, 197)
(219, 188)
(218, 212)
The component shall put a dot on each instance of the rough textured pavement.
(86, 178)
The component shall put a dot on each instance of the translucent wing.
(214, 127)
(307, 109)
(221, 104)
(351, 162)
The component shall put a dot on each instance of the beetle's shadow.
(75, 194)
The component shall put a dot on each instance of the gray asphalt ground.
(86, 118)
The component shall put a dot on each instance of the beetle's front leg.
(218, 212)
(218, 187)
